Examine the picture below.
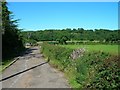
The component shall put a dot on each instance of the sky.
(61, 15)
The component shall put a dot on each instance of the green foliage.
(11, 41)
(99, 35)
(57, 53)
(95, 69)
(108, 73)
(98, 70)
(63, 40)
(87, 66)
(30, 37)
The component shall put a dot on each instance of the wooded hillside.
(101, 35)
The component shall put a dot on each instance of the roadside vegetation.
(4, 64)
(89, 58)
(95, 69)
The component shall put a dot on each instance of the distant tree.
(63, 40)
(101, 35)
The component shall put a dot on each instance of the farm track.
(32, 71)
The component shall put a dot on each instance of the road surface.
(41, 76)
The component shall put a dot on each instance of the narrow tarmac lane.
(41, 76)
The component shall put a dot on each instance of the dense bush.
(108, 73)
(87, 65)
(98, 70)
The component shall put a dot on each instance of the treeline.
(80, 34)
(11, 39)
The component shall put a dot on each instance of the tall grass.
(59, 55)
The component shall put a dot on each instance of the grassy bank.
(4, 64)
(58, 55)
(8, 60)
(95, 69)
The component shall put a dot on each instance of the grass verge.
(5, 64)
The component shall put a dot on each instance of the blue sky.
(60, 15)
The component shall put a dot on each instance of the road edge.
(10, 64)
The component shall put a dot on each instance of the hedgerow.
(97, 70)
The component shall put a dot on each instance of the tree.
(63, 40)
(100, 35)
(11, 41)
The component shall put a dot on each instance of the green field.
(112, 49)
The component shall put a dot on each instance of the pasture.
(111, 49)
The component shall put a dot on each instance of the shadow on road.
(23, 71)
(28, 51)
(29, 54)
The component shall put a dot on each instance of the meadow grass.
(111, 49)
